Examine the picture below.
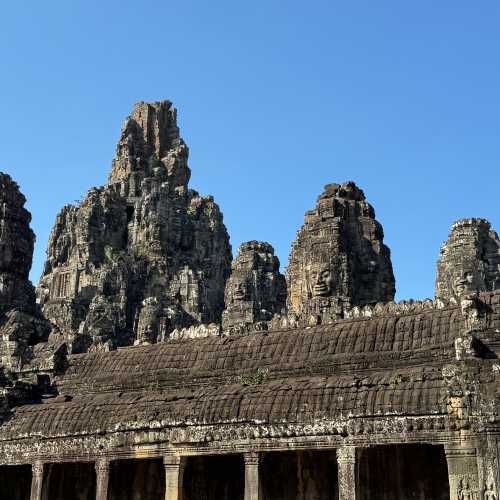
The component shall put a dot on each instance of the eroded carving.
(469, 261)
(143, 255)
(256, 290)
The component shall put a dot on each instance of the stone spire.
(142, 255)
(339, 259)
(20, 327)
(256, 290)
(150, 144)
(16, 249)
(469, 261)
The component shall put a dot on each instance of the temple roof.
(370, 367)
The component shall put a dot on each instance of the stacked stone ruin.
(149, 364)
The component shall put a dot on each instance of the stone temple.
(148, 364)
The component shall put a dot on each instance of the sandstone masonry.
(155, 367)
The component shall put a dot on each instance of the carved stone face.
(321, 281)
(148, 320)
(466, 282)
(241, 291)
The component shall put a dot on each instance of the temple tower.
(339, 259)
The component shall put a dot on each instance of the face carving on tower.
(146, 230)
(256, 289)
(466, 282)
(322, 281)
(339, 259)
(240, 291)
(469, 261)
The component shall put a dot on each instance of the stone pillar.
(36, 481)
(174, 476)
(488, 467)
(102, 479)
(252, 479)
(346, 460)
(463, 472)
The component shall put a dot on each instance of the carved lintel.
(252, 476)
(37, 480)
(346, 460)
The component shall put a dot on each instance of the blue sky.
(275, 99)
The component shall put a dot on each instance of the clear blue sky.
(275, 99)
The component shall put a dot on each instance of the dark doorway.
(15, 482)
(218, 477)
(303, 475)
(403, 472)
(69, 481)
(137, 480)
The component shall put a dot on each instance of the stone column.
(488, 467)
(252, 479)
(346, 460)
(463, 472)
(102, 479)
(174, 476)
(36, 481)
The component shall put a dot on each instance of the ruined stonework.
(339, 260)
(20, 325)
(469, 260)
(346, 395)
(16, 250)
(144, 254)
(256, 290)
